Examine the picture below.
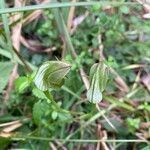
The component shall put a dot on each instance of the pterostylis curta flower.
(98, 82)
(51, 75)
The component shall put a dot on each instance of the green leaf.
(51, 75)
(5, 70)
(124, 9)
(146, 148)
(119, 103)
(54, 115)
(21, 84)
(64, 116)
(38, 93)
(39, 110)
(95, 8)
(4, 142)
(133, 124)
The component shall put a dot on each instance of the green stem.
(49, 96)
(66, 4)
(28, 68)
(80, 140)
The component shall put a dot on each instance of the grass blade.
(119, 103)
(67, 4)
(6, 29)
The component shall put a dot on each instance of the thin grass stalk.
(79, 140)
(7, 30)
(68, 43)
(67, 4)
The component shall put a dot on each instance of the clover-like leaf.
(51, 75)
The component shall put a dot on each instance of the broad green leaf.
(124, 9)
(39, 110)
(21, 84)
(146, 148)
(38, 93)
(54, 115)
(95, 8)
(51, 75)
(64, 116)
(5, 70)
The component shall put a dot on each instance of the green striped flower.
(51, 75)
(98, 81)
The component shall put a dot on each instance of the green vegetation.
(74, 75)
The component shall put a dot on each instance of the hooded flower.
(98, 81)
(51, 75)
